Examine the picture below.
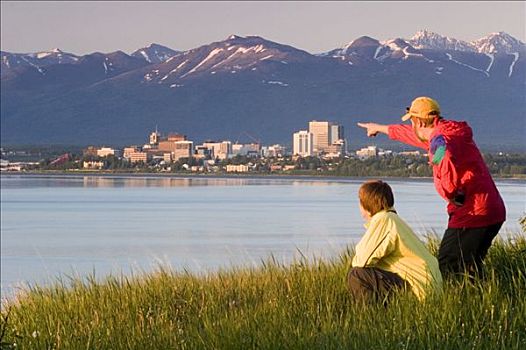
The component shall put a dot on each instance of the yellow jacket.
(390, 244)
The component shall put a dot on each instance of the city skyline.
(317, 26)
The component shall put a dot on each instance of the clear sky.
(85, 27)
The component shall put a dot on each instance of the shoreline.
(254, 176)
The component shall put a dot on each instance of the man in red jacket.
(475, 207)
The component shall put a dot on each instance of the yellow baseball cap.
(421, 107)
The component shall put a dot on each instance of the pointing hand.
(372, 128)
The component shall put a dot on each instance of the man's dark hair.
(375, 196)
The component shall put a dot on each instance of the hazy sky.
(85, 27)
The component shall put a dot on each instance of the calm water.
(74, 225)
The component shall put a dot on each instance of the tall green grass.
(304, 305)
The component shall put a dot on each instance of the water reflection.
(98, 181)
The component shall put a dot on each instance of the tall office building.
(320, 135)
(303, 143)
(328, 137)
(336, 134)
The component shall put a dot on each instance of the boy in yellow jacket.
(389, 256)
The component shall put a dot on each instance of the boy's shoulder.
(390, 218)
(387, 215)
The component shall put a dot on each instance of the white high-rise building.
(303, 143)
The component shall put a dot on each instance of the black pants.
(372, 284)
(464, 249)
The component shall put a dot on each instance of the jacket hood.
(454, 128)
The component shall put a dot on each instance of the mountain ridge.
(249, 83)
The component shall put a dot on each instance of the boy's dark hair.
(375, 196)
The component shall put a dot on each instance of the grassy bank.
(300, 306)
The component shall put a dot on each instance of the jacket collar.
(375, 216)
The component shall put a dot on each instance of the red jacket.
(459, 172)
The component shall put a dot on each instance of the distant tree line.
(502, 165)
(396, 166)
(506, 164)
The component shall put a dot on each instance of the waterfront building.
(411, 153)
(384, 153)
(367, 152)
(6, 165)
(274, 151)
(303, 143)
(60, 160)
(202, 152)
(183, 149)
(93, 164)
(335, 150)
(241, 168)
(168, 144)
(139, 156)
(129, 150)
(221, 150)
(107, 151)
(249, 149)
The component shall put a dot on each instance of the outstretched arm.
(373, 129)
(398, 132)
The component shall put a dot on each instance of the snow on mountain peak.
(43, 54)
(233, 37)
(378, 50)
(499, 42)
(425, 39)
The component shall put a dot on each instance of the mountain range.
(252, 86)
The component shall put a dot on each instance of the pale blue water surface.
(56, 226)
